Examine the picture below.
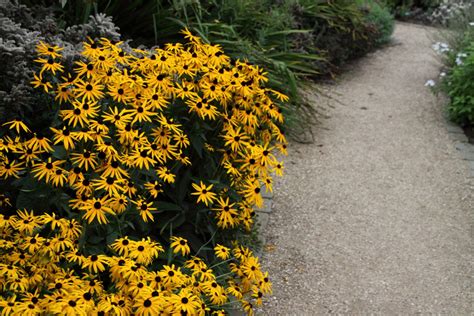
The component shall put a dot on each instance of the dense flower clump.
(138, 135)
(43, 272)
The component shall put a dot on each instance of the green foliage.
(459, 82)
(381, 18)
(340, 30)
(406, 4)
(459, 86)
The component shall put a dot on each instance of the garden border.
(461, 143)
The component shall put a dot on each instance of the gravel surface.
(376, 215)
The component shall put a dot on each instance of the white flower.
(441, 48)
(471, 23)
(459, 58)
(443, 74)
(430, 83)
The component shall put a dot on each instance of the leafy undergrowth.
(457, 79)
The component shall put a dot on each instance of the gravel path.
(376, 215)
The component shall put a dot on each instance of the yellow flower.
(148, 306)
(18, 125)
(86, 160)
(185, 302)
(44, 49)
(144, 251)
(64, 136)
(111, 185)
(145, 208)
(235, 139)
(165, 174)
(226, 215)
(10, 169)
(89, 90)
(50, 64)
(180, 245)
(222, 252)
(97, 209)
(204, 193)
(95, 263)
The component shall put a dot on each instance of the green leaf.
(176, 221)
(167, 206)
(59, 152)
(94, 239)
(183, 186)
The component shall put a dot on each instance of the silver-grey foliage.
(21, 28)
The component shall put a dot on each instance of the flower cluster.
(449, 10)
(123, 117)
(441, 48)
(40, 273)
(142, 142)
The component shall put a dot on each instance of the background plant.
(458, 59)
(20, 30)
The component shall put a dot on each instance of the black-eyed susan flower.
(58, 178)
(165, 174)
(145, 208)
(171, 275)
(251, 268)
(41, 82)
(148, 306)
(195, 263)
(121, 246)
(235, 139)
(222, 252)
(142, 159)
(74, 117)
(18, 125)
(63, 93)
(144, 251)
(44, 49)
(226, 213)
(89, 90)
(180, 245)
(50, 64)
(95, 263)
(185, 302)
(252, 191)
(97, 209)
(10, 169)
(118, 117)
(154, 188)
(39, 142)
(109, 184)
(65, 137)
(264, 284)
(204, 193)
(86, 160)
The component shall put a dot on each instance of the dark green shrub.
(341, 30)
(424, 4)
(379, 16)
(459, 85)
